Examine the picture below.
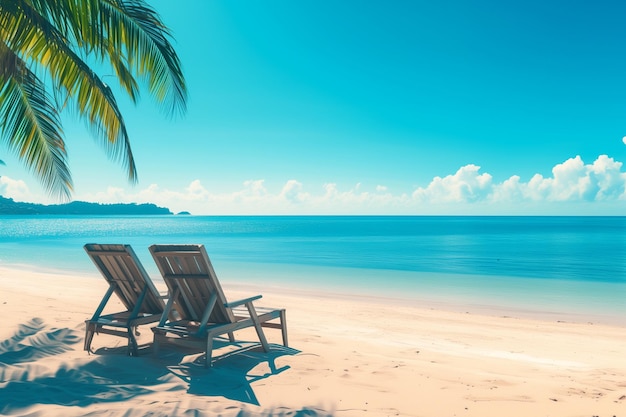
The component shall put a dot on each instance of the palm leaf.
(135, 28)
(30, 123)
(132, 38)
(94, 100)
(59, 37)
(80, 21)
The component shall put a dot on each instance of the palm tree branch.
(94, 100)
(79, 21)
(132, 26)
(30, 123)
(59, 36)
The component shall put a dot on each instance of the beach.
(347, 356)
(425, 199)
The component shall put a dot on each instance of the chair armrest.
(242, 302)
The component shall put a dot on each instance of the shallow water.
(564, 264)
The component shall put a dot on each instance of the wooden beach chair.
(197, 296)
(127, 278)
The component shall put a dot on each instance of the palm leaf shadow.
(104, 379)
(32, 341)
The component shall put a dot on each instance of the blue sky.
(377, 107)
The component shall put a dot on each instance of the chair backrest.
(120, 266)
(187, 269)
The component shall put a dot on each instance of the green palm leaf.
(32, 124)
(136, 28)
(93, 99)
(58, 38)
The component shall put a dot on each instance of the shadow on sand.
(111, 376)
(232, 373)
(33, 341)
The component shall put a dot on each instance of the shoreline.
(348, 356)
(457, 295)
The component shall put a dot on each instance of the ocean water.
(574, 266)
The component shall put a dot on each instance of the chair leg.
(283, 326)
(133, 349)
(155, 345)
(89, 332)
(209, 351)
(257, 325)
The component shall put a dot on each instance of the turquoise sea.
(566, 267)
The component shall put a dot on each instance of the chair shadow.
(232, 373)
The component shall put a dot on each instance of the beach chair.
(127, 278)
(197, 297)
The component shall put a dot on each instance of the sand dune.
(348, 357)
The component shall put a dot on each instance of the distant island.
(8, 206)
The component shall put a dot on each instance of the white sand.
(347, 357)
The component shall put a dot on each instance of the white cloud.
(197, 190)
(254, 189)
(510, 190)
(465, 186)
(292, 193)
(573, 181)
(15, 189)
(573, 187)
(610, 180)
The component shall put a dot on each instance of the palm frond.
(80, 22)
(30, 123)
(59, 37)
(94, 100)
(134, 27)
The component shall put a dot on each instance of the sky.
(374, 107)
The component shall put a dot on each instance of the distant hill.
(8, 206)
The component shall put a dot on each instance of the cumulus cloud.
(572, 180)
(467, 191)
(465, 186)
(292, 192)
(15, 189)
(196, 190)
(511, 190)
